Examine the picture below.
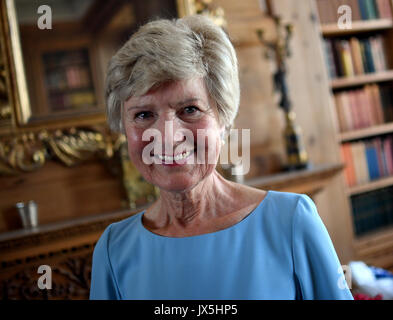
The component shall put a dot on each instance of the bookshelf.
(331, 30)
(360, 66)
(347, 82)
(371, 186)
(367, 132)
(68, 79)
(63, 76)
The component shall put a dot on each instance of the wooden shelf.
(376, 248)
(370, 186)
(346, 82)
(367, 132)
(308, 181)
(332, 29)
(384, 237)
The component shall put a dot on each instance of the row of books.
(328, 10)
(70, 77)
(372, 210)
(73, 100)
(365, 107)
(64, 58)
(355, 56)
(367, 160)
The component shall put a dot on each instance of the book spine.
(372, 161)
(376, 97)
(355, 111)
(329, 56)
(355, 10)
(372, 10)
(337, 58)
(346, 58)
(376, 57)
(363, 54)
(377, 145)
(356, 55)
(365, 107)
(388, 157)
(349, 164)
(368, 56)
(350, 119)
(381, 52)
(388, 9)
(343, 126)
(363, 9)
(384, 157)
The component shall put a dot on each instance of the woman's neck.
(183, 209)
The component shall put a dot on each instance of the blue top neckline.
(232, 227)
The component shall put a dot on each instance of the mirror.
(60, 50)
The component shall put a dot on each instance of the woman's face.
(173, 134)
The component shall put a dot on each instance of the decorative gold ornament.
(29, 151)
(137, 188)
(5, 108)
(279, 50)
(207, 7)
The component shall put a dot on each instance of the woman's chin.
(176, 183)
(178, 178)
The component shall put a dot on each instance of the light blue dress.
(281, 250)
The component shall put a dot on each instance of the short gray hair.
(169, 50)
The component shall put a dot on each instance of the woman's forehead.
(173, 92)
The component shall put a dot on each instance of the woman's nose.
(172, 131)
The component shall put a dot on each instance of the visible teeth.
(176, 158)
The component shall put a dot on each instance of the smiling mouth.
(177, 157)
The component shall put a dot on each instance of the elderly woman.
(205, 237)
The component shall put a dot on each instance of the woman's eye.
(190, 110)
(143, 115)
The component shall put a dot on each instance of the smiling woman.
(205, 237)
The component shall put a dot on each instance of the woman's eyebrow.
(189, 100)
(183, 102)
(143, 106)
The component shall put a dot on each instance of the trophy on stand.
(279, 50)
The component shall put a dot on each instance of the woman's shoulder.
(119, 232)
(287, 208)
(291, 199)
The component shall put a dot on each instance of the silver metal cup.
(28, 214)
